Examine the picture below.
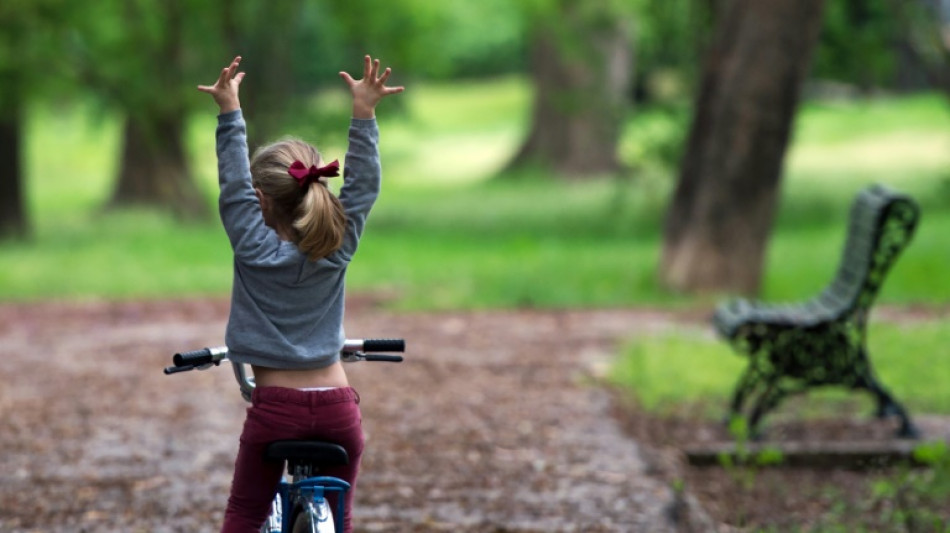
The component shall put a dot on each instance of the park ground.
(496, 421)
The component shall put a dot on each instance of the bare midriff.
(329, 376)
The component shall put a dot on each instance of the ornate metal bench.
(794, 347)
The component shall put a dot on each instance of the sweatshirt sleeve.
(238, 205)
(361, 180)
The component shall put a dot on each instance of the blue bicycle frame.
(309, 496)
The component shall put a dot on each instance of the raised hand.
(372, 88)
(225, 89)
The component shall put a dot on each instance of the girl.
(292, 241)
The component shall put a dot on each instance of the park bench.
(821, 341)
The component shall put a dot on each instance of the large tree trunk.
(153, 169)
(13, 219)
(581, 67)
(722, 211)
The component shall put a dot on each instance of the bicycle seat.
(309, 451)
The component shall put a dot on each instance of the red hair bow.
(305, 176)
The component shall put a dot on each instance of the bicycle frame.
(308, 495)
(304, 491)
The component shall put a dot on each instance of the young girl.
(292, 241)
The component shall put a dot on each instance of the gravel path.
(492, 423)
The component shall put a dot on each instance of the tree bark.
(722, 211)
(581, 68)
(153, 169)
(13, 218)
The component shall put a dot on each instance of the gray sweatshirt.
(287, 311)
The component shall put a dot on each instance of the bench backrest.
(881, 225)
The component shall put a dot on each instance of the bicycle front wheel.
(314, 518)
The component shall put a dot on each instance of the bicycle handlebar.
(374, 345)
(196, 358)
(353, 350)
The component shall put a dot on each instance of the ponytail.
(320, 222)
(311, 215)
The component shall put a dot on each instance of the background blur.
(548, 153)
(593, 175)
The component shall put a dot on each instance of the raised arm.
(362, 169)
(238, 205)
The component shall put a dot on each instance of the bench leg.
(767, 401)
(761, 392)
(887, 405)
(743, 387)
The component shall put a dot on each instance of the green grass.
(119, 255)
(838, 147)
(693, 372)
(444, 235)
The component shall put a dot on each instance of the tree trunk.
(722, 211)
(268, 95)
(153, 170)
(581, 67)
(13, 219)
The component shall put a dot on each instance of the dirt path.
(491, 424)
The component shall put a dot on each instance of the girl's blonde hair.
(311, 214)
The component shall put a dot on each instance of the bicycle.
(303, 498)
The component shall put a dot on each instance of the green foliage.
(138, 55)
(475, 39)
(769, 456)
(935, 454)
(915, 499)
(857, 43)
(655, 138)
(671, 37)
(31, 35)
(434, 39)
(744, 463)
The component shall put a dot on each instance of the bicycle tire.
(312, 519)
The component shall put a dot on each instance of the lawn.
(694, 372)
(448, 232)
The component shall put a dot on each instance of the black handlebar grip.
(385, 358)
(384, 345)
(193, 358)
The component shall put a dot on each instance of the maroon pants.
(277, 413)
